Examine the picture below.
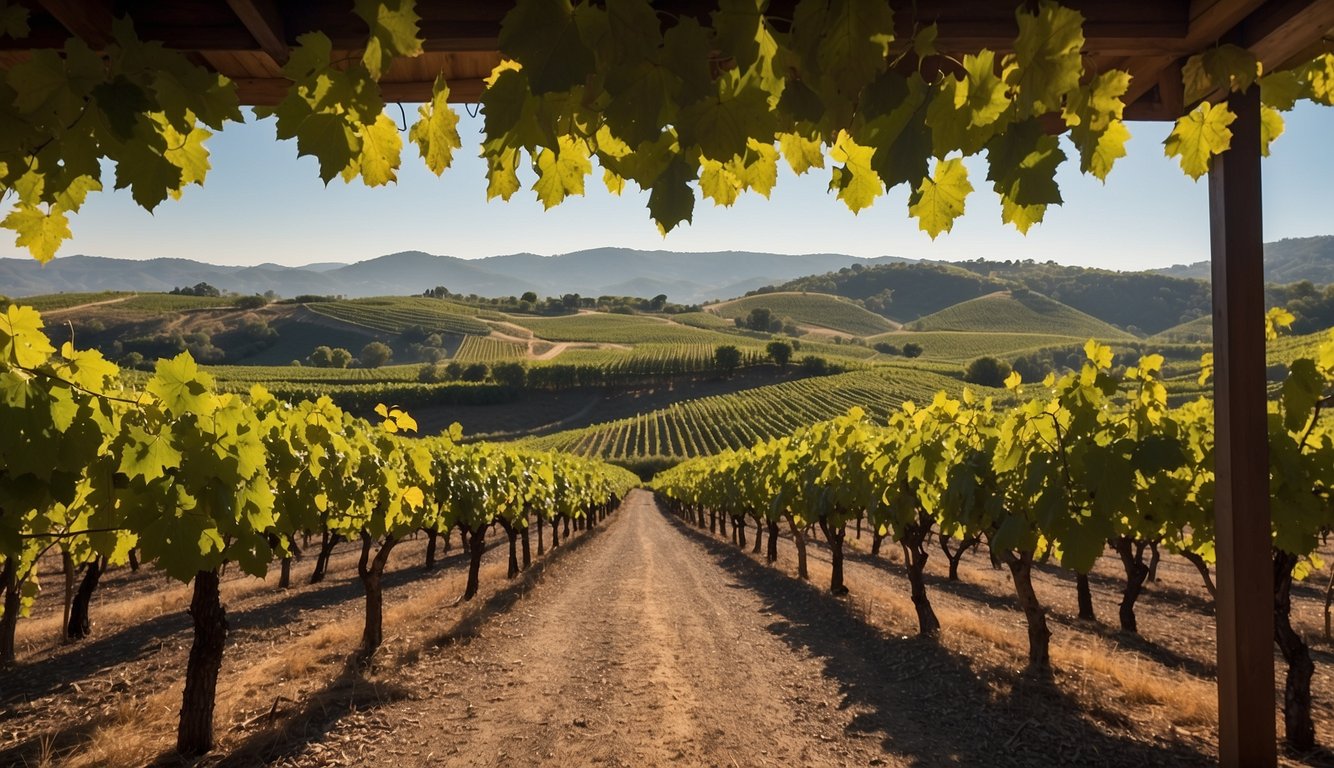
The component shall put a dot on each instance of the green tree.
(322, 357)
(509, 374)
(727, 358)
(529, 297)
(912, 349)
(340, 358)
(376, 354)
(780, 352)
(987, 371)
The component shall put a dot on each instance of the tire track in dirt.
(638, 650)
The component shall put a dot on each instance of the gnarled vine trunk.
(10, 620)
(834, 536)
(915, 557)
(1299, 728)
(371, 574)
(1196, 560)
(1039, 636)
(954, 556)
(194, 734)
(1131, 552)
(477, 548)
(759, 537)
(327, 542)
(799, 539)
(527, 551)
(1085, 596)
(432, 535)
(772, 553)
(540, 523)
(513, 536)
(80, 626)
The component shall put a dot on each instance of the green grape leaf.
(672, 200)
(394, 32)
(147, 456)
(13, 20)
(1098, 152)
(22, 342)
(1302, 389)
(1048, 54)
(939, 200)
(1227, 66)
(1318, 77)
(1271, 127)
(857, 183)
(856, 39)
(1198, 136)
(1023, 217)
(381, 148)
(560, 174)
(436, 132)
(722, 126)
(924, 42)
(187, 152)
(1281, 89)
(801, 153)
(331, 140)
(121, 102)
(148, 173)
(685, 52)
(181, 386)
(543, 36)
(740, 30)
(717, 183)
(1022, 164)
(502, 174)
(40, 232)
(983, 92)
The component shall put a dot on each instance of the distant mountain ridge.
(684, 277)
(1290, 260)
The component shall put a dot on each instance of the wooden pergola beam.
(265, 24)
(1279, 31)
(1245, 601)
(88, 20)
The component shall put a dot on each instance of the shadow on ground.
(929, 706)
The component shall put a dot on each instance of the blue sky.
(263, 204)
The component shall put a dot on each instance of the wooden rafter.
(89, 20)
(265, 24)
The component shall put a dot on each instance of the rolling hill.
(817, 309)
(1289, 260)
(1019, 312)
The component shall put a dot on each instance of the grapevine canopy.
(683, 98)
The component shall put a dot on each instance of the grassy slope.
(618, 329)
(1028, 313)
(820, 309)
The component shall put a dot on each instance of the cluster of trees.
(911, 349)
(508, 374)
(530, 302)
(198, 289)
(763, 320)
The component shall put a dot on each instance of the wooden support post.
(1245, 603)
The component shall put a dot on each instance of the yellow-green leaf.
(857, 183)
(1200, 135)
(436, 132)
(561, 173)
(40, 232)
(939, 200)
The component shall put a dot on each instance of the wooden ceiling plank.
(1281, 32)
(265, 24)
(89, 20)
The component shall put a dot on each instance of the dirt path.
(639, 650)
(77, 307)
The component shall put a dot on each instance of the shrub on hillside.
(987, 371)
